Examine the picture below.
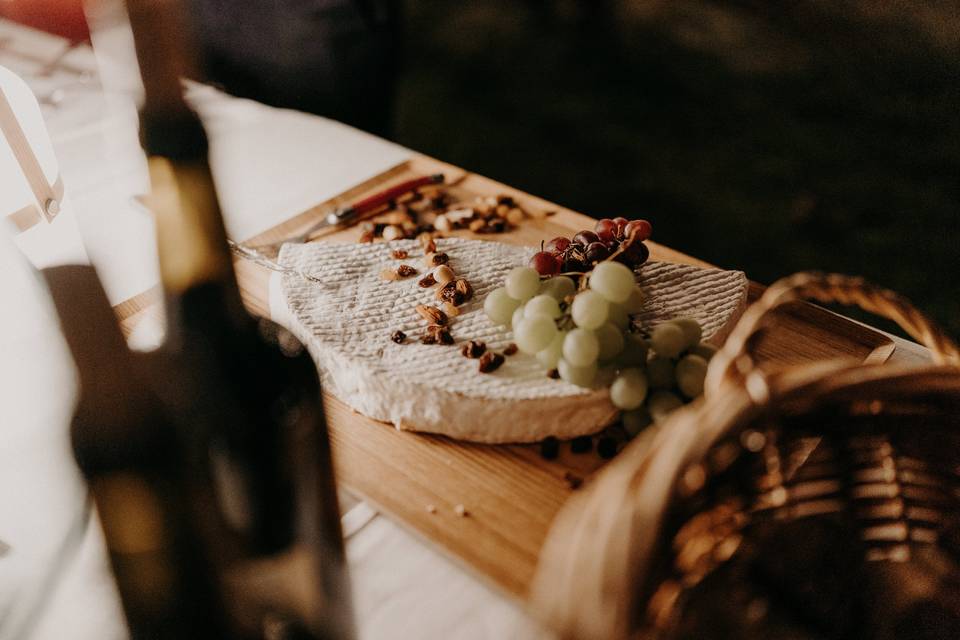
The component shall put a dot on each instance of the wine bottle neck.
(191, 240)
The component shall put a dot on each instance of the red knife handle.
(387, 195)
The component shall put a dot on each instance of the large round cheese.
(348, 318)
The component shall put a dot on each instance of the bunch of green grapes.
(583, 333)
(670, 375)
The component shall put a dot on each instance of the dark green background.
(755, 135)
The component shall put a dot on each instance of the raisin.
(606, 448)
(490, 361)
(549, 448)
(581, 444)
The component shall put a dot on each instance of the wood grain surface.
(509, 492)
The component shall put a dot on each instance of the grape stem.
(565, 322)
(624, 246)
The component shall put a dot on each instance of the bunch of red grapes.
(619, 237)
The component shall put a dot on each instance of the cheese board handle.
(736, 359)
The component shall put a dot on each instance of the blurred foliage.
(771, 137)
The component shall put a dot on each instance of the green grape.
(634, 351)
(589, 309)
(618, 317)
(522, 283)
(661, 403)
(636, 421)
(660, 372)
(518, 315)
(612, 280)
(580, 376)
(704, 350)
(549, 356)
(667, 340)
(634, 303)
(543, 305)
(534, 334)
(691, 331)
(690, 372)
(558, 287)
(499, 306)
(611, 341)
(581, 348)
(629, 390)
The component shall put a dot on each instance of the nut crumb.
(427, 242)
(392, 232)
(473, 349)
(463, 288)
(497, 225)
(440, 335)
(573, 481)
(427, 281)
(432, 314)
(398, 218)
(399, 254)
(450, 293)
(405, 271)
(430, 508)
(435, 259)
(554, 374)
(398, 336)
(510, 349)
(389, 275)
(450, 310)
(443, 274)
(490, 361)
(461, 511)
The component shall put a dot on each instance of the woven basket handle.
(735, 358)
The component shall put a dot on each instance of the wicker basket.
(820, 501)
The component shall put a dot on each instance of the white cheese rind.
(346, 324)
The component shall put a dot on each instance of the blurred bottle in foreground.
(126, 446)
(245, 394)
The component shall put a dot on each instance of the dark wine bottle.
(245, 394)
(126, 447)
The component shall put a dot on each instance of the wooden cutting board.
(509, 492)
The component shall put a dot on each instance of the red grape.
(596, 251)
(620, 223)
(642, 228)
(605, 229)
(642, 254)
(573, 259)
(585, 237)
(634, 255)
(557, 245)
(545, 263)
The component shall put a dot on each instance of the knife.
(356, 211)
(340, 218)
